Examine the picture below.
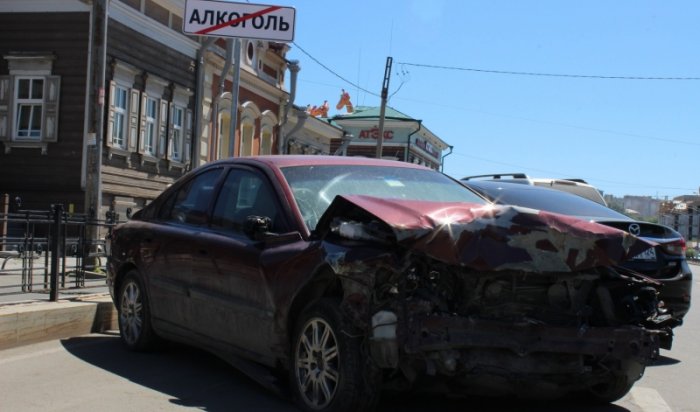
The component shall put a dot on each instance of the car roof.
(281, 161)
(544, 198)
(576, 186)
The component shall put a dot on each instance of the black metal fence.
(52, 251)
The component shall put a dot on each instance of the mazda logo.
(635, 229)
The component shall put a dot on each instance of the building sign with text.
(373, 133)
(429, 148)
(247, 20)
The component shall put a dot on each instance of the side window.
(244, 194)
(190, 204)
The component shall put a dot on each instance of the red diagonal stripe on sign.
(240, 19)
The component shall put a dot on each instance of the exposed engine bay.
(510, 331)
(442, 325)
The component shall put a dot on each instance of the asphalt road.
(95, 372)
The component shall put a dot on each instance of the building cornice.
(44, 6)
(150, 28)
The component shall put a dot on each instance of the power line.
(550, 122)
(549, 172)
(582, 76)
(333, 72)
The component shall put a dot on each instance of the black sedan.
(343, 276)
(666, 262)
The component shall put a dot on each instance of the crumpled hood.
(491, 237)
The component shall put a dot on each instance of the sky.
(625, 136)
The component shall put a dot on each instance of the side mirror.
(256, 227)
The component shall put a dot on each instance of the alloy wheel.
(131, 313)
(317, 362)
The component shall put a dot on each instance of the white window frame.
(180, 128)
(177, 134)
(123, 141)
(268, 122)
(247, 135)
(265, 140)
(19, 102)
(120, 134)
(29, 67)
(153, 120)
(223, 119)
(151, 132)
(250, 113)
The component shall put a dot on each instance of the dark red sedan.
(348, 275)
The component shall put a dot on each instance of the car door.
(230, 294)
(180, 219)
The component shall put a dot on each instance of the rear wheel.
(328, 371)
(134, 314)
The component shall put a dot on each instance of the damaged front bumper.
(436, 333)
(504, 358)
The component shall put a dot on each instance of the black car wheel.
(328, 371)
(134, 314)
(609, 392)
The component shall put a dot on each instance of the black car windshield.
(542, 198)
(315, 187)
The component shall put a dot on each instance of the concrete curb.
(26, 323)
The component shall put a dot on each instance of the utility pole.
(234, 95)
(94, 179)
(382, 110)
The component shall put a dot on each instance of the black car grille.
(660, 269)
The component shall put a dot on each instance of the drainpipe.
(217, 98)
(198, 124)
(301, 119)
(442, 160)
(345, 142)
(408, 141)
(294, 68)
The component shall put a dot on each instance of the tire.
(328, 371)
(135, 328)
(604, 393)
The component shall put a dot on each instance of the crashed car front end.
(465, 298)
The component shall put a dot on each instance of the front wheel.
(134, 314)
(615, 389)
(328, 371)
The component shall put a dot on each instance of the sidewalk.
(25, 323)
(30, 317)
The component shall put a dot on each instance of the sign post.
(238, 20)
